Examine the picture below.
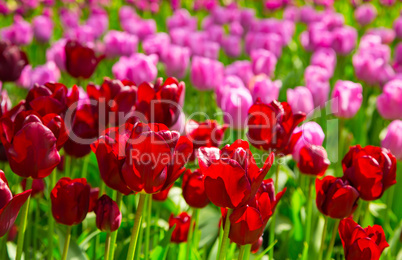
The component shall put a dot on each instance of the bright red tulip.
(155, 157)
(232, 176)
(204, 134)
(81, 61)
(182, 226)
(271, 126)
(371, 170)
(70, 201)
(12, 61)
(194, 190)
(313, 160)
(335, 197)
(359, 243)
(108, 215)
(9, 205)
(32, 142)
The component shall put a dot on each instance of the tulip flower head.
(194, 190)
(181, 225)
(347, 98)
(313, 160)
(108, 215)
(12, 61)
(393, 139)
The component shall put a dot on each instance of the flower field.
(201, 130)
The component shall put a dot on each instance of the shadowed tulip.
(193, 189)
(12, 61)
(108, 215)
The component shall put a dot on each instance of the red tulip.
(108, 215)
(204, 134)
(111, 153)
(313, 160)
(182, 226)
(359, 243)
(162, 195)
(247, 223)
(5, 102)
(81, 61)
(371, 170)
(335, 197)
(161, 103)
(12, 61)
(232, 177)
(32, 143)
(193, 189)
(271, 126)
(9, 205)
(70, 201)
(155, 158)
(38, 186)
(93, 198)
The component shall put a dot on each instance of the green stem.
(323, 236)
(113, 238)
(136, 227)
(341, 146)
(66, 243)
(247, 251)
(241, 253)
(52, 182)
(107, 246)
(3, 246)
(389, 201)
(225, 239)
(85, 167)
(366, 210)
(148, 228)
(273, 217)
(67, 166)
(332, 242)
(196, 238)
(309, 214)
(190, 235)
(36, 223)
(23, 222)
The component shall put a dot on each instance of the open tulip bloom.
(200, 129)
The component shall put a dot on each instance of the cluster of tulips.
(92, 135)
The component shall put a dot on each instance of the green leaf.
(160, 252)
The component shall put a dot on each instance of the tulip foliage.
(205, 129)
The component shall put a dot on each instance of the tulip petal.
(9, 213)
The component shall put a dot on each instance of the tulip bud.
(232, 45)
(300, 99)
(389, 102)
(70, 201)
(177, 60)
(365, 14)
(344, 39)
(235, 106)
(108, 215)
(313, 160)
(393, 139)
(324, 58)
(347, 98)
(206, 73)
(194, 190)
(42, 28)
(182, 226)
(263, 62)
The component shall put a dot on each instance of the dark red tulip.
(247, 223)
(32, 143)
(50, 98)
(194, 190)
(70, 201)
(38, 186)
(271, 126)
(93, 198)
(161, 103)
(81, 61)
(204, 134)
(108, 215)
(155, 158)
(9, 205)
(371, 170)
(110, 151)
(116, 98)
(359, 243)
(256, 245)
(182, 226)
(12, 61)
(162, 195)
(335, 197)
(313, 160)
(232, 176)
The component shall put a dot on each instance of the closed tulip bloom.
(313, 160)
(236, 29)
(177, 60)
(155, 158)
(215, 33)
(232, 177)
(393, 139)
(70, 18)
(229, 83)
(263, 62)
(98, 20)
(70, 201)
(361, 243)
(272, 42)
(271, 125)
(206, 73)
(194, 190)
(156, 44)
(181, 225)
(19, 33)
(210, 49)
(120, 44)
(232, 45)
(347, 97)
(371, 170)
(81, 61)
(242, 69)
(389, 102)
(365, 14)
(264, 88)
(398, 27)
(335, 197)
(324, 58)
(108, 215)
(182, 19)
(235, 106)
(344, 40)
(42, 28)
(138, 68)
(9, 205)
(320, 92)
(32, 143)
(300, 99)
(247, 18)
(311, 134)
(12, 61)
